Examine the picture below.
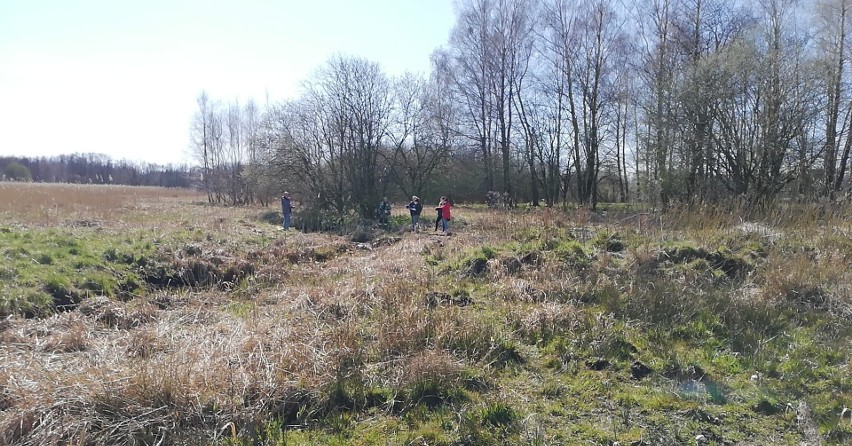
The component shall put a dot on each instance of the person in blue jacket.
(286, 209)
(415, 207)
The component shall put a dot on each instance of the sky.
(121, 78)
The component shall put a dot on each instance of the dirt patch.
(639, 371)
(476, 267)
(193, 270)
(512, 264)
(435, 298)
(531, 258)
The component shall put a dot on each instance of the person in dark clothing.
(415, 207)
(383, 213)
(286, 209)
(444, 213)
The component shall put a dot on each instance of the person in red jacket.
(444, 209)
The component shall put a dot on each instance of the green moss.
(722, 261)
(572, 252)
(69, 264)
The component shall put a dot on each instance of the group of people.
(442, 218)
(383, 212)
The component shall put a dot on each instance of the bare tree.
(700, 28)
(709, 99)
(234, 154)
(467, 62)
(202, 139)
(833, 21)
(591, 80)
(512, 47)
(767, 111)
(251, 134)
(660, 67)
(420, 133)
(331, 139)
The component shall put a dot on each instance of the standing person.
(383, 212)
(440, 212)
(444, 209)
(415, 207)
(286, 209)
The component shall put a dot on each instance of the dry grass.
(51, 204)
(322, 324)
(126, 371)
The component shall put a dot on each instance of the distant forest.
(91, 168)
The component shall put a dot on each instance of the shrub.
(16, 171)
(315, 219)
(361, 234)
(73, 338)
(431, 378)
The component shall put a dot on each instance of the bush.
(16, 171)
(314, 219)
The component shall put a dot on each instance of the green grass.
(745, 337)
(51, 269)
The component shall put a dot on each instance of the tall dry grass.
(322, 333)
(112, 206)
(118, 372)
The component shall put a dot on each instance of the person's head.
(415, 199)
(286, 195)
(443, 199)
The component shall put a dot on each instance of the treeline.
(557, 101)
(90, 168)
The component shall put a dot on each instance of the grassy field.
(144, 316)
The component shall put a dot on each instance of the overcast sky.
(121, 77)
